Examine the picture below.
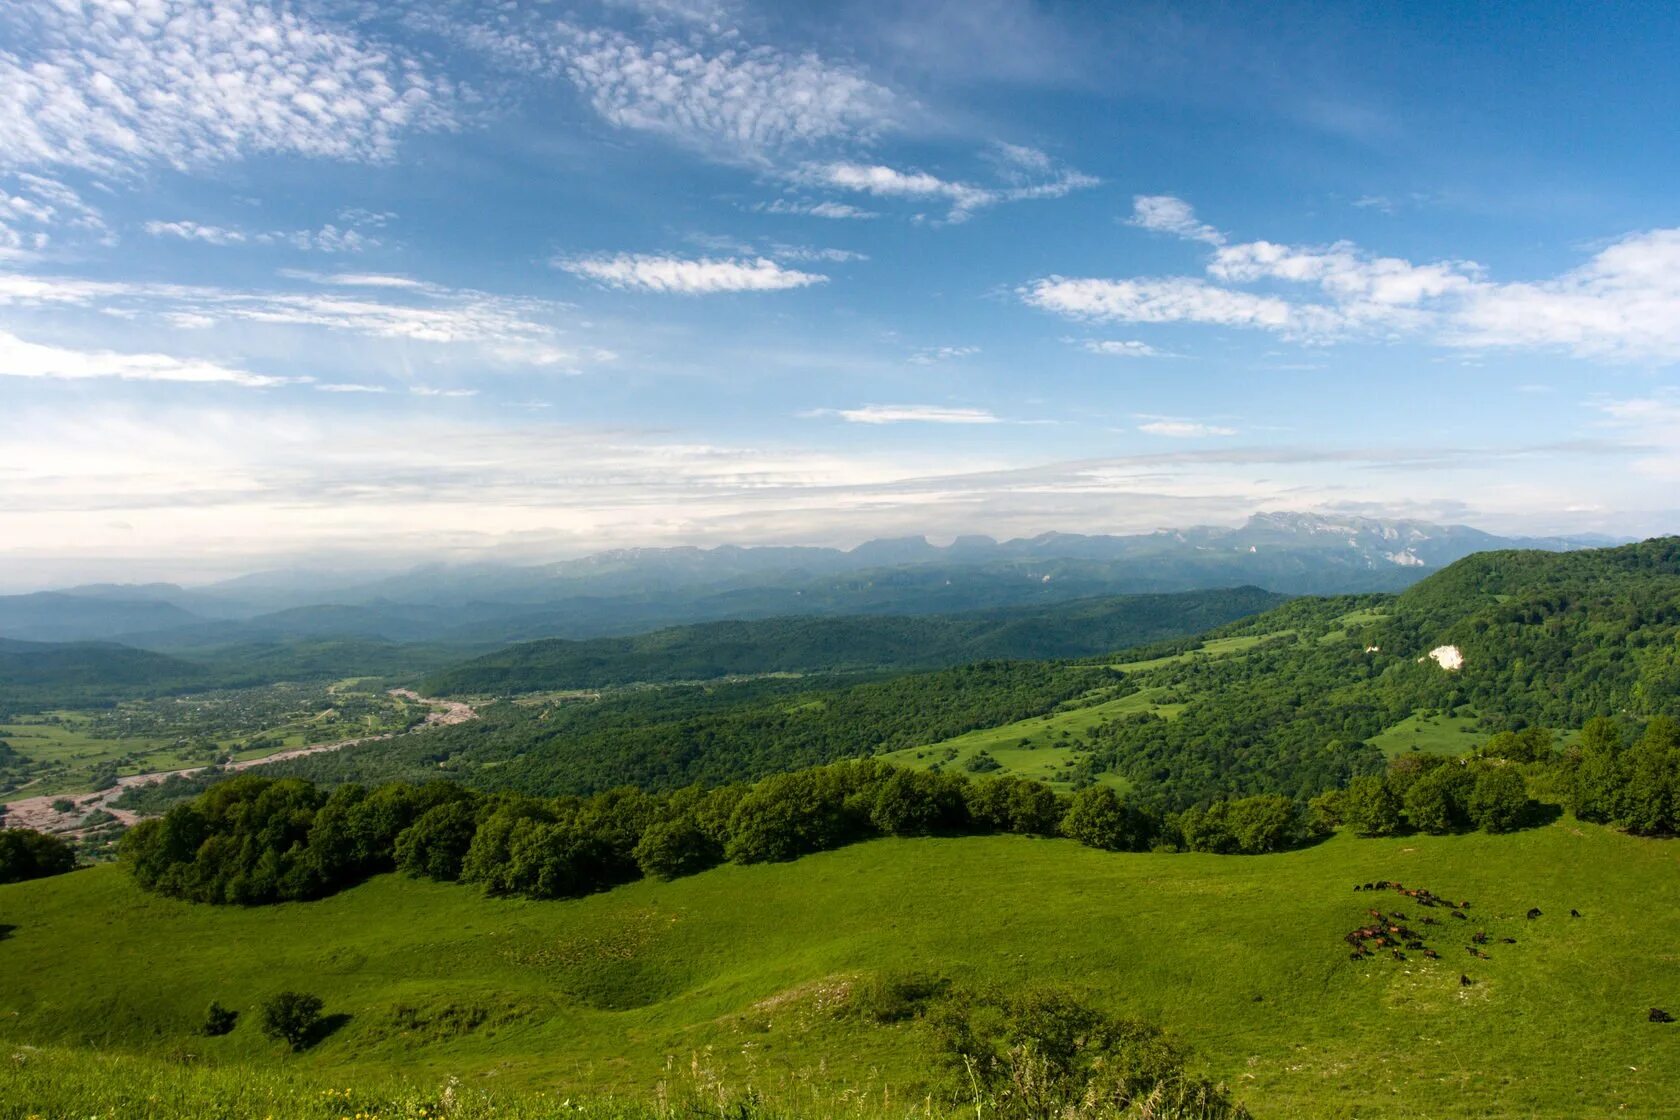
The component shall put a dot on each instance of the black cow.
(1658, 1015)
(1463, 981)
(1574, 913)
(1533, 913)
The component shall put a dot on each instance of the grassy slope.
(1240, 955)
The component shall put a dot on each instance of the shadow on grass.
(325, 1027)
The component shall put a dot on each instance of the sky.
(336, 282)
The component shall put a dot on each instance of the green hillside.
(760, 972)
(719, 649)
(73, 674)
(1297, 700)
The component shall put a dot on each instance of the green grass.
(1431, 733)
(1047, 748)
(1216, 647)
(1239, 955)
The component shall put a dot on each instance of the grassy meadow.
(748, 970)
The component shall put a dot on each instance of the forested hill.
(709, 651)
(73, 673)
(1541, 639)
(1295, 701)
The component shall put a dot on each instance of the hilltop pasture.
(752, 968)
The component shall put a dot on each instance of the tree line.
(253, 839)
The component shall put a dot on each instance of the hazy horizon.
(350, 566)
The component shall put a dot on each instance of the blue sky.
(336, 282)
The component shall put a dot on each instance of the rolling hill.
(757, 973)
(801, 644)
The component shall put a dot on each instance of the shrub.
(1097, 817)
(27, 854)
(218, 1020)
(673, 848)
(292, 1018)
(1044, 1053)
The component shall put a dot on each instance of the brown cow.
(1463, 980)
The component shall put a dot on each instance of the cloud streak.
(702, 276)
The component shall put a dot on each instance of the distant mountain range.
(630, 591)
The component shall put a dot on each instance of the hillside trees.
(28, 854)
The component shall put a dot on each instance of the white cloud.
(1166, 214)
(507, 329)
(1622, 305)
(1344, 272)
(19, 358)
(328, 239)
(706, 275)
(192, 231)
(365, 280)
(910, 414)
(1171, 300)
(964, 199)
(713, 93)
(834, 211)
(40, 210)
(1121, 348)
(112, 85)
(349, 387)
(929, 355)
(1173, 428)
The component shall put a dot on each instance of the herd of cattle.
(1389, 930)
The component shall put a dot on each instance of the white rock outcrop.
(1450, 658)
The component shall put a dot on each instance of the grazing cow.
(1397, 914)
(1479, 937)
(1432, 954)
(1465, 905)
(1459, 916)
(1533, 913)
(1356, 955)
(1414, 945)
(1463, 980)
(1398, 955)
(1477, 953)
(1658, 1015)
(1508, 940)
(1377, 914)
(1574, 913)
(1428, 921)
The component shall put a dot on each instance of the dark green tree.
(1499, 800)
(292, 1018)
(1371, 806)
